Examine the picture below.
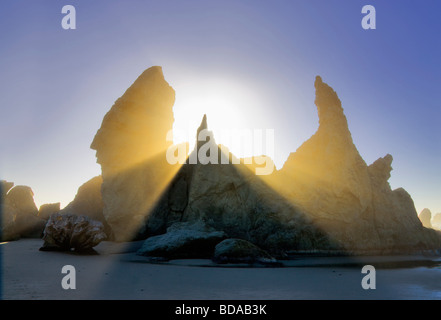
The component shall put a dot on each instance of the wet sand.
(116, 272)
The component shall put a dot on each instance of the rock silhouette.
(19, 213)
(5, 186)
(324, 198)
(231, 198)
(130, 147)
(47, 209)
(352, 202)
(436, 221)
(426, 217)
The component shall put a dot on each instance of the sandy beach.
(116, 272)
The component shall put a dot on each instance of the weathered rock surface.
(326, 176)
(241, 251)
(352, 202)
(324, 198)
(183, 240)
(64, 232)
(426, 216)
(130, 147)
(230, 197)
(47, 209)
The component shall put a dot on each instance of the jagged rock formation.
(394, 216)
(324, 198)
(130, 147)
(19, 214)
(352, 202)
(426, 216)
(231, 198)
(241, 251)
(64, 232)
(326, 175)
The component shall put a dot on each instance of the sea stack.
(130, 147)
(352, 202)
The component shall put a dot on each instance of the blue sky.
(262, 56)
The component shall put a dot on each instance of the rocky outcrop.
(22, 199)
(231, 198)
(436, 221)
(20, 212)
(5, 186)
(241, 251)
(324, 198)
(64, 232)
(183, 240)
(7, 214)
(352, 202)
(48, 209)
(130, 147)
(426, 216)
(326, 176)
(7, 228)
(145, 197)
(394, 217)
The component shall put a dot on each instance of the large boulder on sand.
(64, 232)
(241, 251)
(183, 240)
